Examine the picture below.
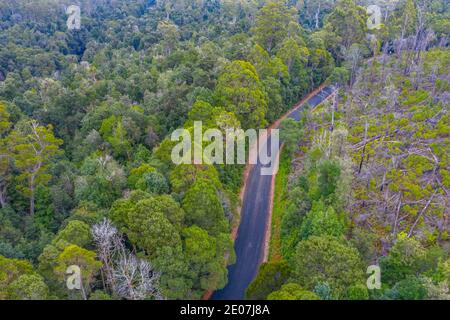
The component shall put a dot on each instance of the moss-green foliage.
(322, 221)
(28, 287)
(358, 292)
(18, 281)
(76, 232)
(203, 208)
(321, 259)
(271, 276)
(240, 90)
(409, 258)
(292, 291)
(412, 131)
(410, 288)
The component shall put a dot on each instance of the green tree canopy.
(271, 25)
(322, 221)
(203, 207)
(325, 259)
(239, 90)
(28, 287)
(292, 291)
(348, 23)
(34, 145)
(150, 229)
(75, 232)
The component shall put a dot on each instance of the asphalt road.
(249, 244)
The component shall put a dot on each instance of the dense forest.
(86, 176)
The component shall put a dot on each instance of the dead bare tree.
(108, 243)
(135, 279)
(126, 275)
(421, 214)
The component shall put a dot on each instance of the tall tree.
(325, 259)
(240, 90)
(11, 270)
(348, 23)
(312, 12)
(150, 229)
(271, 25)
(170, 35)
(203, 207)
(321, 221)
(28, 287)
(205, 258)
(408, 19)
(34, 145)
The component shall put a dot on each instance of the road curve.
(250, 242)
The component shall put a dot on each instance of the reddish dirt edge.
(247, 169)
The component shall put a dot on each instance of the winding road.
(251, 235)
